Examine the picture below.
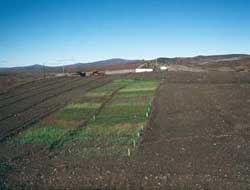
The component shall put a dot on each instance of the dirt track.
(198, 138)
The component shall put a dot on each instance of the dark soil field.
(29, 103)
(10, 80)
(197, 136)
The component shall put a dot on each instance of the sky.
(57, 32)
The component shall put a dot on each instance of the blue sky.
(57, 32)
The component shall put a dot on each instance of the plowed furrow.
(35, 92)
(35, 113)
(36, 85)
(26, 104)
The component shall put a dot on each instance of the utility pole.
(156, 62)
(43, 70)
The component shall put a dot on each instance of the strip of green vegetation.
(57, 128)
(132, 94)
(46, 135)
(121, 122)
(131, 100)
(116, 128)
(84, 105)
(74, 113)
(124, 110)
(105, 90)
(78, 111)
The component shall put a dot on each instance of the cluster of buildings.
(98, 72)
(136, 70)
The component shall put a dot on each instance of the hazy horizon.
(63, 32)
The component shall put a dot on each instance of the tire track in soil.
(34, 92)
(47, 107)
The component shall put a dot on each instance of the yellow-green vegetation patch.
(74, 114)
(118, 100)
(105, 90)
(67, 124)
(131, 94)
(77, 111)
(117, 104)
(115, 121)
(46, 135)
(106, 131)
(138, 89)
(59, 127)
(142, 84)
(108, 140)
(86, 105)
(121, 122)
(124, 110)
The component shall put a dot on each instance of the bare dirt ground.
(29, 103)
(11, 80)
(198, 137)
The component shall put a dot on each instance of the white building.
(142, 70)
(124, 71)
(163, 68)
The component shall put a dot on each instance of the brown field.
(28, 103)
(10, 80)
(197, 137)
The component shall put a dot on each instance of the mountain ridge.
(75, 66)
(200, 59)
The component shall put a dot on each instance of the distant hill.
(202, 59)
(123, 63)
(31, 68)
(68, 68)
